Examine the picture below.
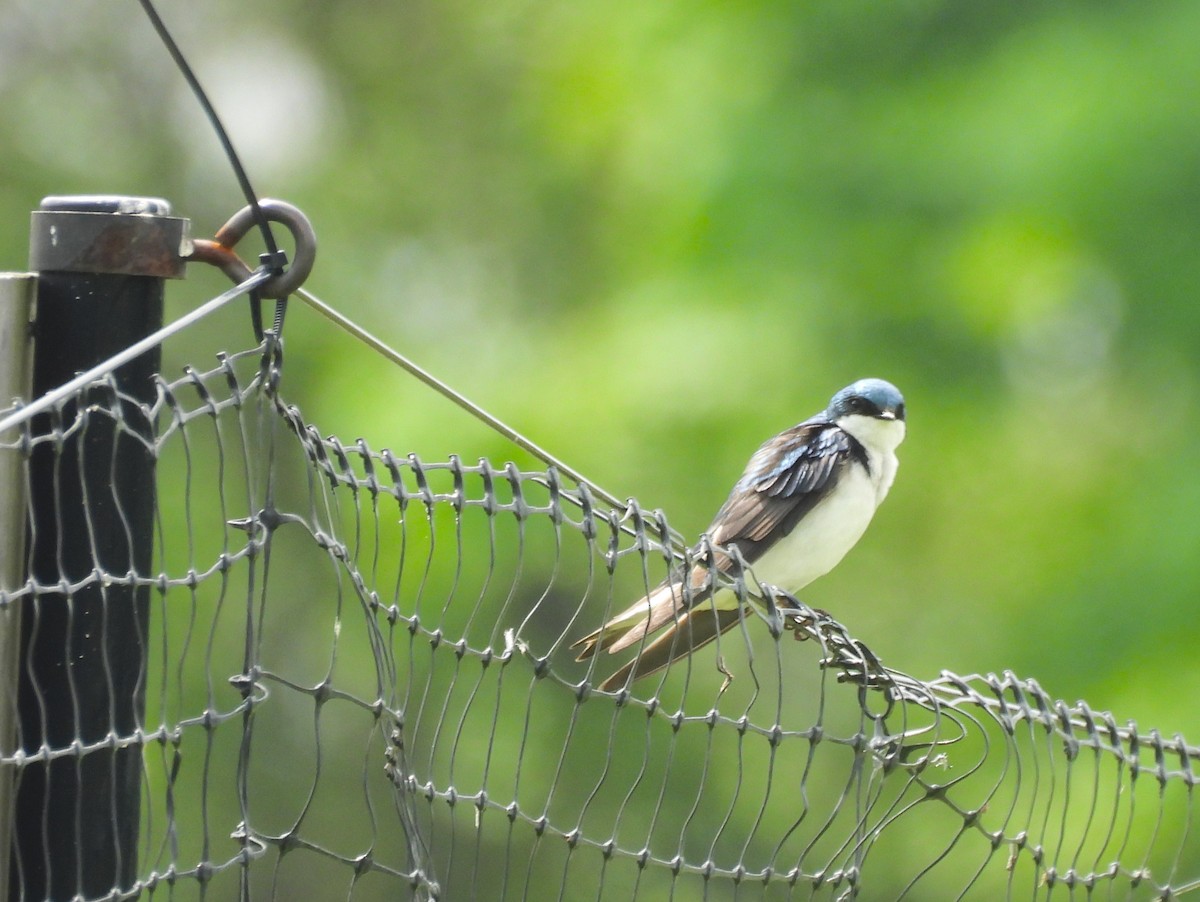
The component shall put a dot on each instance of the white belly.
(822, 538)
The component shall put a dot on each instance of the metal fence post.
(101, 262)
(16, 306)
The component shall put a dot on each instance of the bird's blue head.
(869, 398)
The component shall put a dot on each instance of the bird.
(804, 500)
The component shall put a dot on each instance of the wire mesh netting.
(358, 683)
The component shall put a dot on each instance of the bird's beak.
(887, 415)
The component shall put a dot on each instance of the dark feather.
(784, 480)
(666, 602)
(691, 631)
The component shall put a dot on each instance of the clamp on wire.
(219, 252)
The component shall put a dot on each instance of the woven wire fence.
(359, 684)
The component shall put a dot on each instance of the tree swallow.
(806, 497)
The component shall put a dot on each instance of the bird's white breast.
(821, 539)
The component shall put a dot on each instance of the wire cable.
(102, 369)
(462, 401)
(215, 121)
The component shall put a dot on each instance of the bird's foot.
(790, 613)
(782, 609)
(803, 620)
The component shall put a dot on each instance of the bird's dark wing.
(784, 480)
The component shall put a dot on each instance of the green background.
(651, 235)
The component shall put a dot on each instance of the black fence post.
(101, 262)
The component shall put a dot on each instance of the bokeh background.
(651, 235)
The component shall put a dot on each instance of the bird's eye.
(900, 411)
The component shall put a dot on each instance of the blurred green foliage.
(651, 235)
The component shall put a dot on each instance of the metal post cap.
(98, 233)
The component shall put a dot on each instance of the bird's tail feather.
(694, 629)
(634, 623)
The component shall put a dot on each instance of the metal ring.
(219, 251)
